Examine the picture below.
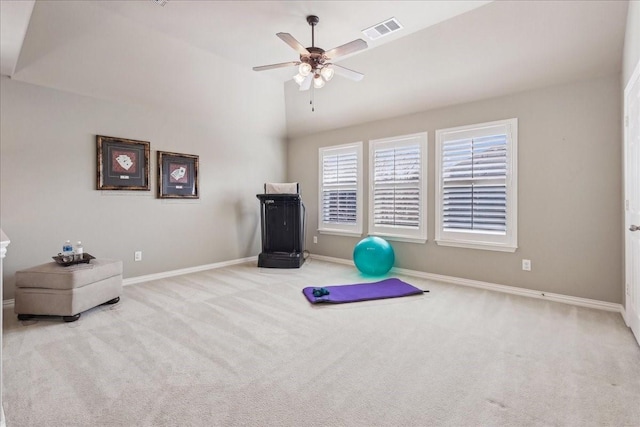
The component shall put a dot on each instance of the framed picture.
(177, 176)
(123, 164)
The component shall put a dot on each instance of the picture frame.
(123, 164)
(178, 175)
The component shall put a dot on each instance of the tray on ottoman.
(60, 259)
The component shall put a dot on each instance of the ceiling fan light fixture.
(327, 73)
(304, 69)
(298, 78)
(318, 81)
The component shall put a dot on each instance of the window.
(340, 189)
(397, 188)
(476, 195)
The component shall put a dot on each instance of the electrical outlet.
(315, 239)
(137, 256)
(526, 264)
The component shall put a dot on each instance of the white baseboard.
(623, 311)
(172, 273)
(332, 259)
(566, 299)
(8, 303)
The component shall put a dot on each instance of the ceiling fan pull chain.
(313, 107)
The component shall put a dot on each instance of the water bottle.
(79, 251)
(67, 250)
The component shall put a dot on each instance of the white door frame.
(632, 203)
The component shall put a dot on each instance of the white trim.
(339, 232)
(4, 242)
(476, 245)
(340, 228)
(402, 234)
(479, 239)
(396, 238)
(623, 312)
(631, 314)
(173, 273)
(565, 299)
(8, 303)
(634, 75)
(332, 259)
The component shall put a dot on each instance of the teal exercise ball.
(373, 256)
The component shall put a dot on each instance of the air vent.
(160, 2)
(382, 29)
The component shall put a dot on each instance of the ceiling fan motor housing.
(315, 58)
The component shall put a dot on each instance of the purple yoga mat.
(388, 288)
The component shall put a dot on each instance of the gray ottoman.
(53, 290)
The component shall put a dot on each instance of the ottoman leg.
(113, 301)
(25, 316)
(71, 318)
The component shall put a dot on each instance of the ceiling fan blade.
(280, 65)
(306, 83)
(295, 44)
(346, 49)
(346, 72)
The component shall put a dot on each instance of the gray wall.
(569, 197)
(48, 189)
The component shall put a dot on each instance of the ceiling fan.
(315, 64)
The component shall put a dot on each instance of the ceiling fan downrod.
(313, 21)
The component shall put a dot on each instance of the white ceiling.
(14, 19)
(245, 31)
(448, 52)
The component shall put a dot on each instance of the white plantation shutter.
(340, 180)
(476, 201)
(397, 187)
(474, 173)
(340, 188)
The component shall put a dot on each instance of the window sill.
(340, 233)
(395, 238)
(477, 245)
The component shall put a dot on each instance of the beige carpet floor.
(241, 346)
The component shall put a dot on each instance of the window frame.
(392, 232)
(475, 239)
(341, 229)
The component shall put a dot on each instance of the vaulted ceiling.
(173, 56)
